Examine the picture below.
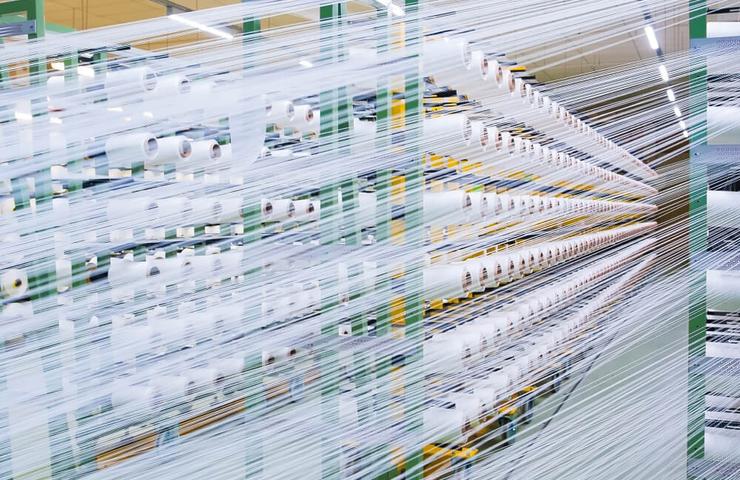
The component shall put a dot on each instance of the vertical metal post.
(697, 236)
(414, 235)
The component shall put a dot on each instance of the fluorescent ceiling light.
(685, 134)
(671, 95)
(201, 27)
(677, 111)
(663, 72)
(652, 39)
(305, 64)
(393, 9)
(682, 124)
(59, 66)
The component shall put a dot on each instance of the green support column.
(333, 125)
(413, 376)
(697, 236)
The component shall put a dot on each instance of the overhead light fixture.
(58, 66)
(393, 9)
(55, 120)
(663, 72)
(677, 111)
(685, 134)
(671, 95)
(305, 64)
(652, 39)
(204, 28)
(682, 124)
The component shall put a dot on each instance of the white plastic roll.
(169, 388)
(57, 93)
(363, 136)
(479, 206)
(723, 290)
(173, 211)
(721, 443)
(499, 381)
(444, 208)
(444, 354)
(14, 282)
(485, 329)
(281, 112)
(126, 273)
(7, 205)
(487, 396)
(130, 213)
(367, 206)
(170, 86)
(123, 150)
(494, 270)
(444, 425)
(478, 274)
(470, 405)
(228, 367)
(723, 208)
(302, 118)
(723, 29)
(129, 341)
(125, 395)
(723, 125)
(202, 378)
(15, 319)
(447, 134)
(63, 274)
(172, 150)
(276, 210)
(446, 60)
(205, 152)
(305, 210)
(216, 210)
(446, 282)
(129, 81)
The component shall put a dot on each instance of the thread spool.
(471, 407)
(130, 341)
(281, 112)
(123, 150)
(217, 210)
(202, 380)
(723, 290)
(447, 60)
(444, 425)
(170, 86)
(443, 208)
(124, 395)
(166, 389)
(444, 354)
(129, 81)
(305, 210)
(367, 206)
(478, 206)
(447, 134)
(446, 282)
(276, 210)
(14, 282)
(302, 118)
(478, 273)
